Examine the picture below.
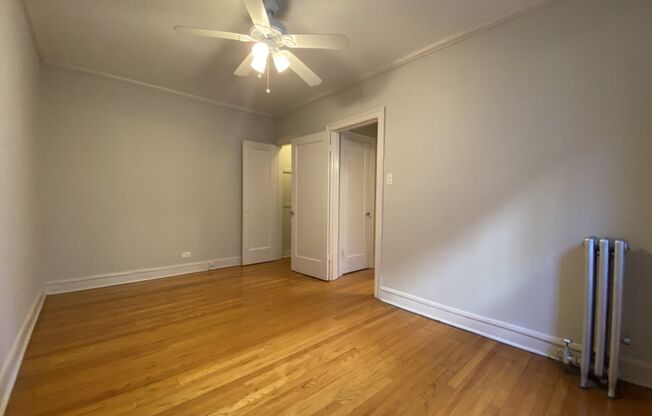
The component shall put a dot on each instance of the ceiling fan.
(272, 42)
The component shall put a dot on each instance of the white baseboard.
(131, 276)
(14, 359)
(633, 370)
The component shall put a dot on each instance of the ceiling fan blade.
(213, 33)
(301, 69)
(245, 67)
(257, 12)
(316, 41)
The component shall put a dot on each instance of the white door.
(357, 184)
(310, 170)
(261, 204)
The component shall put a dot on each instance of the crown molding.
(30, 28)
(427, 50)
(154, 86)
(404, 60)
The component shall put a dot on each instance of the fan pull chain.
(268, 71)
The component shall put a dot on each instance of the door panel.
(357, 168)
(310, 170)
(261, 206)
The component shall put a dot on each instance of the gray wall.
(133, 176)
(507, 149)
(19, 283)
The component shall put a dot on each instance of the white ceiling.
(134, 39)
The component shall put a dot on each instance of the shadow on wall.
(571, 282)
(637, 290)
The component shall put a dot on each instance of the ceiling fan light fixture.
(260, 52)
(259, 65)
(280, 62)
(270, 37)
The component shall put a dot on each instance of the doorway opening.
(357, 183)
(318, 200)
(285, 166)
(356, 194)
(266, 202)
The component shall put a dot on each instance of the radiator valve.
(567, 356)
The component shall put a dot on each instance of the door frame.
(333, 129)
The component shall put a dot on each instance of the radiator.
(604, 269)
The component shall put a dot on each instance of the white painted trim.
(406, 59)
(156, 87)
(14, 359)
(334, 205)
(633, 370)
(282, 141)
(516, 336)
(425, 51)
(372, 116)
(131, 276)
(358, 120)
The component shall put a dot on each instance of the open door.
(357, 194)
(310, 188)
(261, 204)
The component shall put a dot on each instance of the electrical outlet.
(390, 178)
(186, 255)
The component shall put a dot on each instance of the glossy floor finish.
(261, 340)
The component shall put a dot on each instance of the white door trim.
(334, 129)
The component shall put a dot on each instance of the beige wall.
(19, 283)
(134, 176)
(507, 149)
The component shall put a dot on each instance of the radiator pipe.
(620, 248)
(601, 308)
(587, 335)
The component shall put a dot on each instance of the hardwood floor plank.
(262, 340)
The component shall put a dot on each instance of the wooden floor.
(262, 340)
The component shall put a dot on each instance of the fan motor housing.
(276, 24)
(271, 6)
